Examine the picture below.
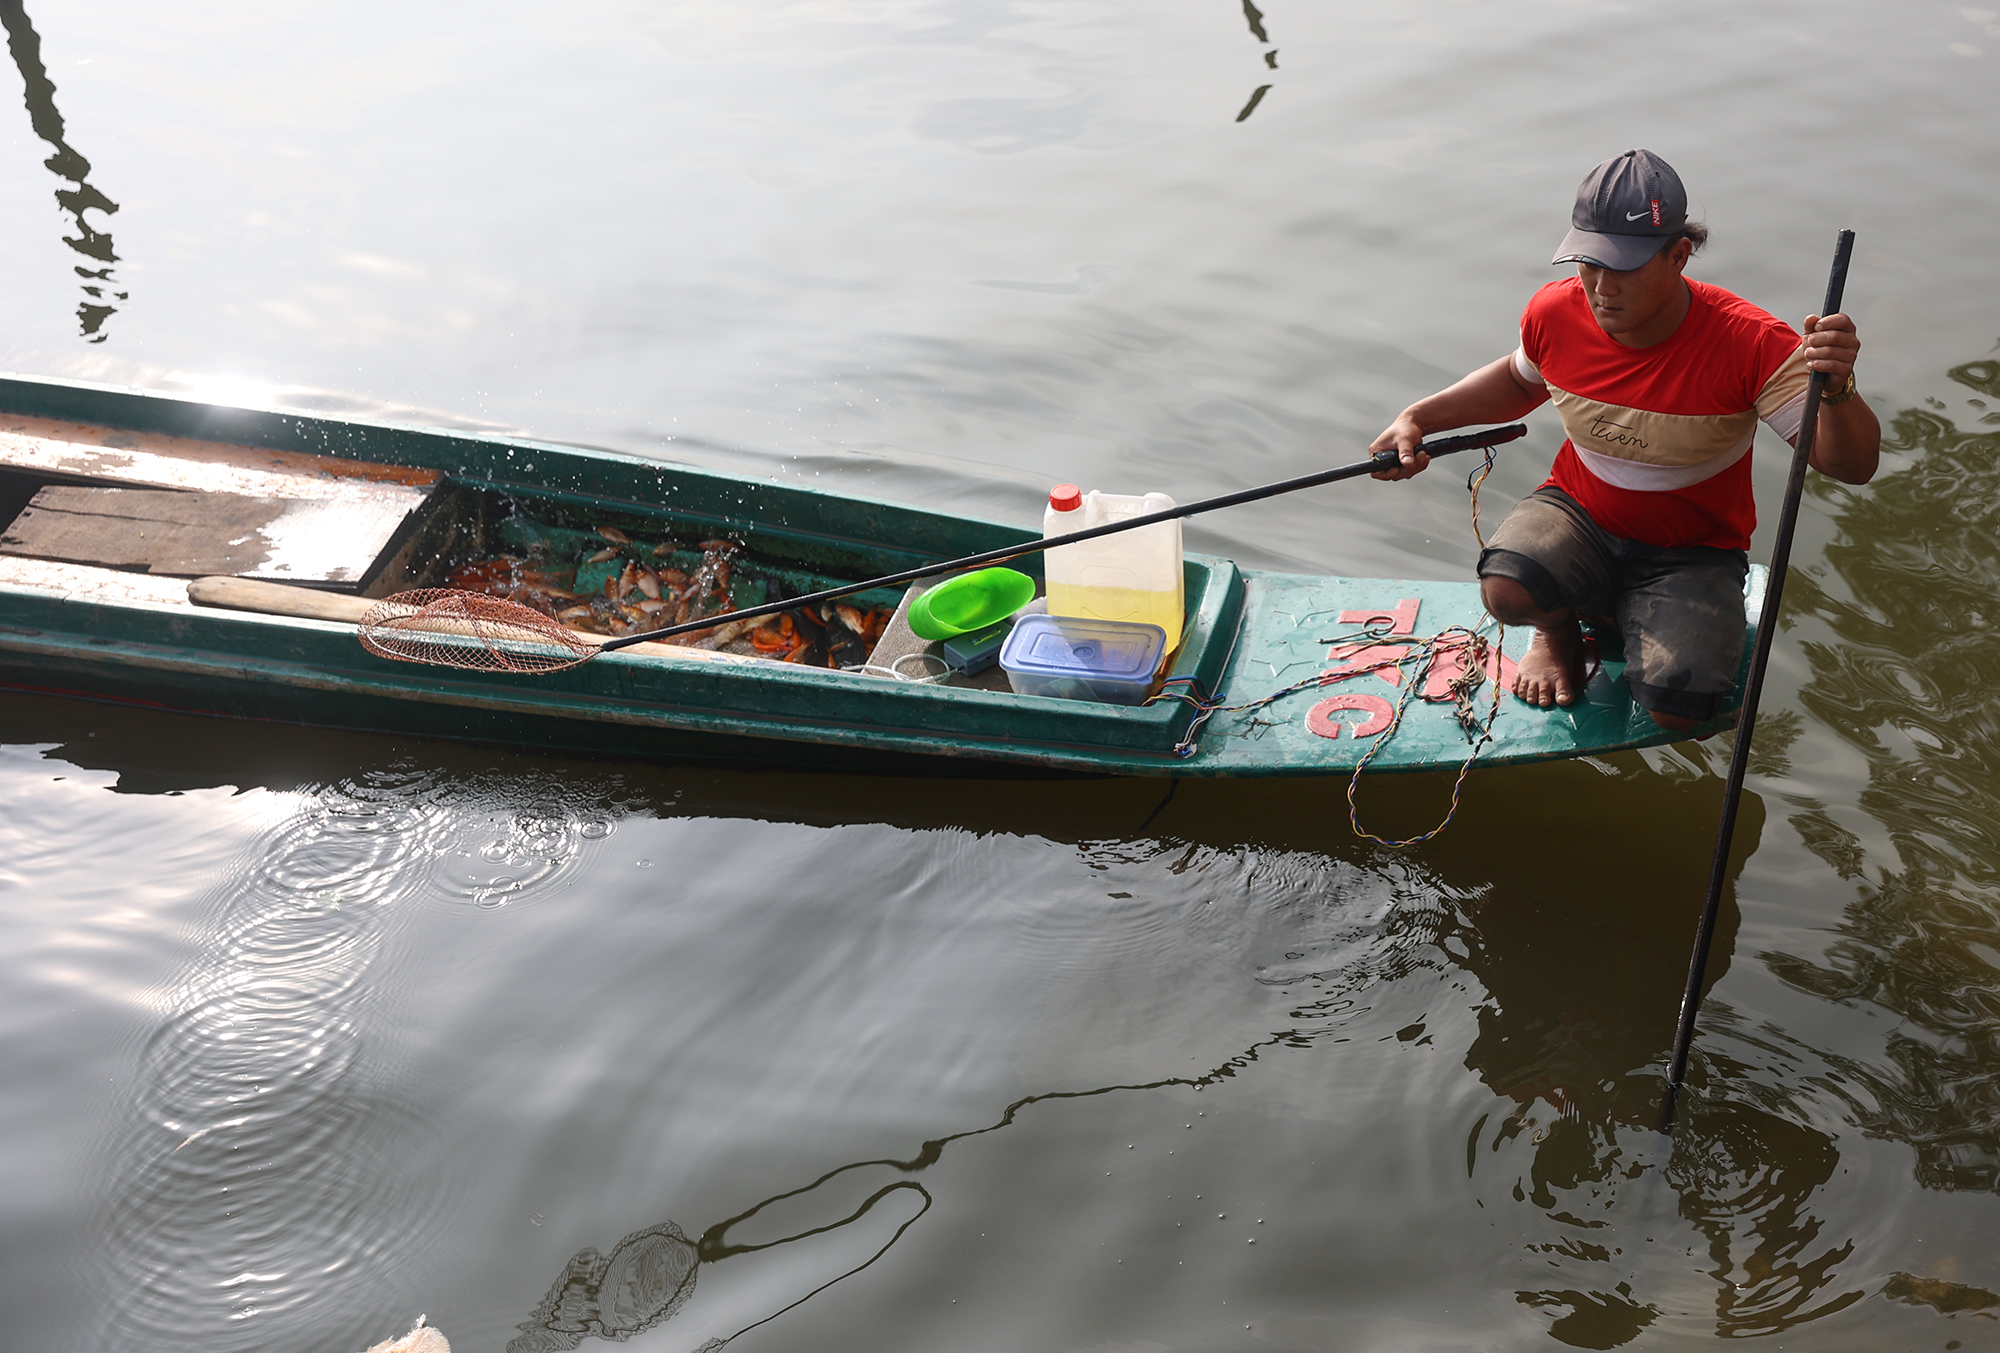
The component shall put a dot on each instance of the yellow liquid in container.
(1120, 603)
(1133, 576)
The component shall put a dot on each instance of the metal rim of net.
(470, 631)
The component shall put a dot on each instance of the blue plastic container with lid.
(1080, 658)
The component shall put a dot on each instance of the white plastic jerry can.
(1132, 576)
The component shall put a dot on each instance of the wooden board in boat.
(191, 535)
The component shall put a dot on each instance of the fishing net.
(472, 632)
(639, 1285)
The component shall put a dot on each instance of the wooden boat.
(164, 552)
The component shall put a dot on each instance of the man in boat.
(1660, 382)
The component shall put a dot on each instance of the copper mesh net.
(472, 632)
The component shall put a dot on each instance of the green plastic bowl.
(970, 602)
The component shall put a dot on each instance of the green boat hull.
(1249, 634)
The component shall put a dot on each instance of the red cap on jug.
(1065, 498)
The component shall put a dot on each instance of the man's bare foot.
(1552, 672)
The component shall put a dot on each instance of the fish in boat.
(315, 517)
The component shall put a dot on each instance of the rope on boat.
(1478, 732)
(1473, 483)
(1206, 708)
(1461, 690)
(1419, 659)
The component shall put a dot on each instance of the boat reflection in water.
(1578, 1016)
(1579, 991)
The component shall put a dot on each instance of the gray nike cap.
(1626, 210)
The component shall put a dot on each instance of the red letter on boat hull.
(1321, 721)
(1448, 664)
(1402, 620)
(1351, 660)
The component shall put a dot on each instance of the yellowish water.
(1128, 604)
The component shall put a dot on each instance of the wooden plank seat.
(192, 535)
(181, 507)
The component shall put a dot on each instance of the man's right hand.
(1402, 436)
(1496, 393)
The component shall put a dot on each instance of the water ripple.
(1907, 682)
(268, 1177)
(518, 855)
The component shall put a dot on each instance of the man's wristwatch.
(1845, 393)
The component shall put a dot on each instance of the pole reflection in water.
(1255, 18)
(98, 284)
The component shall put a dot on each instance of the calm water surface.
(305, 1033)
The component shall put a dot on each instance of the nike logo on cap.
(1635, 215)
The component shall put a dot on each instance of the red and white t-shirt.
(1659, 437)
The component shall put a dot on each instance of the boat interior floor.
(111, 515)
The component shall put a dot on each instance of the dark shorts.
(1680, 609)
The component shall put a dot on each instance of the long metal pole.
(1381, 460)
(1753, 687)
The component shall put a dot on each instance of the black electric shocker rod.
(1753, 687)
